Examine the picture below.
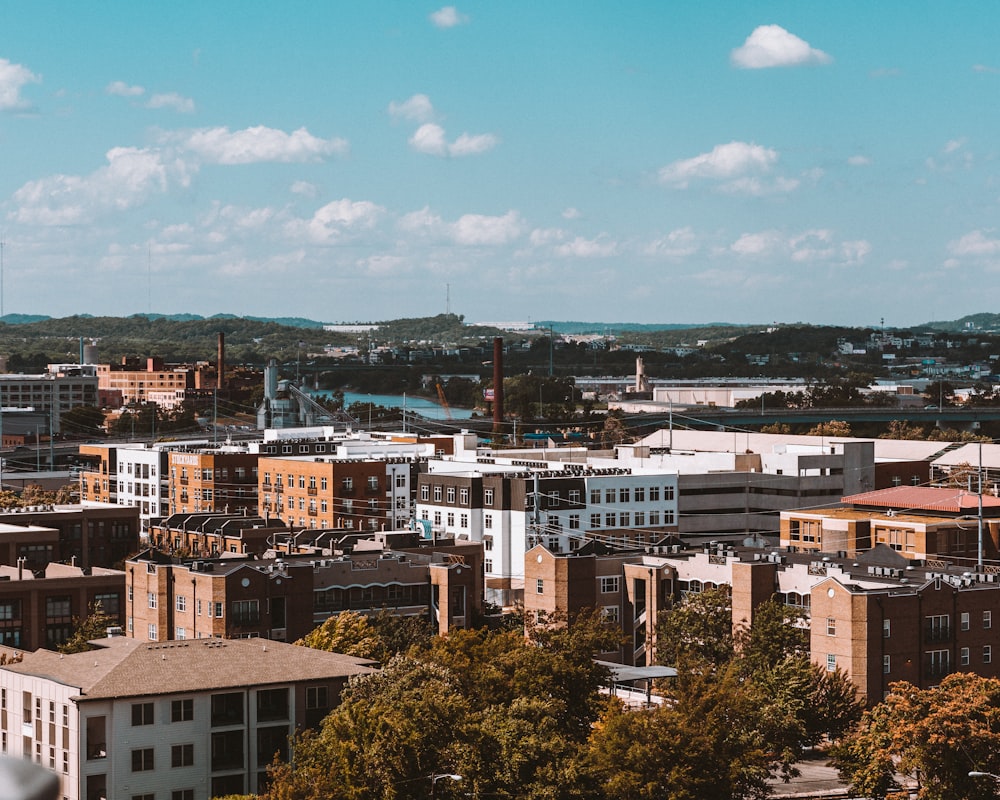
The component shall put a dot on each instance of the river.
(420, 405)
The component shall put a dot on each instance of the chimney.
(498, 384)
(220, 381)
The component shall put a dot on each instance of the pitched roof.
(124, 667)
(924, 498)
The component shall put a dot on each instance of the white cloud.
(953, 145)
(430, 138)
(13, 78)
(974, 243)
(570, 213)
(122, 89)
(337, 220)
(304, 188)
(984, 68)
(723, 161)
(816, 245)
(448, 17)
(601, 247)
(758, 187)
(129, 177)
(540, 237)
(423, 221)
(468, 145)
(773, 46)
(417, 108)
(756, 244)
(679, 243)
(481, 229)
(183, 105)
(859, 161)
(260, 144)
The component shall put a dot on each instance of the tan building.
(135, 384)
(212, 480)
(363, 494)
(917, 522)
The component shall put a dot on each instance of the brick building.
(285, 598)
(212, 479)
(40, 609)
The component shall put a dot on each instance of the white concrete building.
(185, 720)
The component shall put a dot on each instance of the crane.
(444, 402)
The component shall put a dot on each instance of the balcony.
(937, 633)
(312, 491)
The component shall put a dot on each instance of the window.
(831, 662)
(487, 521)
(938, 627)
(464, 521)
(245, 612)
(182, 755)
(151, 599)
(451, 520)
(609, 495)
(142, 714)
(57, 607)
(218, 610)
(609, 584)
(987, 619)
(151, 632)
(574, 521)
(640, 494)
(144, 797)
(885, 629)
(487, 497)
(886, 665)
(437, 494)
(463, 496)
(610, 520)
(540, 586)
(451, 494)
(624, 495)
(272, 704)
(227, 709)
(488, 565)
(227, 750)
(595, 520)
(142, 760)
(595, 497)
(425, 492)
(987, 654)
(574, 496)
(654, 494)
(181, 603)
(182, 710)
(963, 656)
(182, 794)
(965, 620)
(668, 493)
(609, 613)
(831, 626)
(317, 697)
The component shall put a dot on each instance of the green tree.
(942, 734)
(347, 632)
(94, 626)
(901, 429)
(698, 630)
(835, 427)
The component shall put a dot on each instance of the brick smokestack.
(221, 368)
(498, 384)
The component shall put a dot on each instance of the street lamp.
(975, 774)
(436, 778)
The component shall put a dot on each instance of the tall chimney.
(220, 381)
(498, 384)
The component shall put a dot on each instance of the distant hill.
(598, 328)
(973, 322)
(288, 322)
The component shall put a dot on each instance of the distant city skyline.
(652, 162)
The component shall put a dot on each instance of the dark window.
(227, 750)
(181, 710)
(227, 784)
(227, 709)
(272, 704)
(142, 760)
(182, 755)
(272, 741)
(317, 697)
(142, 714)
(182, 794)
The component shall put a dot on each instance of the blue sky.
(652, 162)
